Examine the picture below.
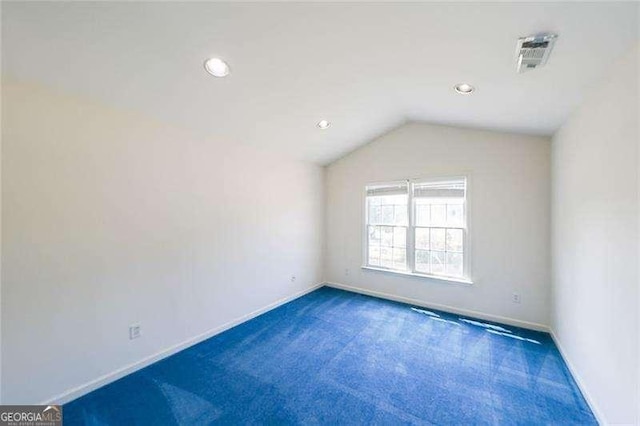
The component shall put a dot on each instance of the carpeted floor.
(334, 357)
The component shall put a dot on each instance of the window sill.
(418, 275)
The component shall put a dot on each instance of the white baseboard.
(587, 396)
(105, 379)
(445, 308)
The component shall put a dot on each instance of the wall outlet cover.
(134, 331)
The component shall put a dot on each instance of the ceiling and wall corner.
(365, 67)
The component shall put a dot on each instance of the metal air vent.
(533, 52)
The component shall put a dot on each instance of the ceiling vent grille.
(533, 52)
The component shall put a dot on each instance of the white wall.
(595, 242)
(111, 219)
(509, 217)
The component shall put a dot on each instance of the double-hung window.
(387, 225)
(418, 227)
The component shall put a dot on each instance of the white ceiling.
(366, 67)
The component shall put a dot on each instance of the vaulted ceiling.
(365, 67)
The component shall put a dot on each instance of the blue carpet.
(334, 357)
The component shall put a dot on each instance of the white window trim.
(419, 275)
(466, 279)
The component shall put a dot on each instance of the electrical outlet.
(516, 298)
(134, 331)
(293, 278)
(346, 271)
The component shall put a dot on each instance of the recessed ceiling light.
(464, 88)
(216, 67)
(323, 124)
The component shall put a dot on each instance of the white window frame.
(410, 243)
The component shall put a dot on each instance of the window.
(418, 227)
(387, 225)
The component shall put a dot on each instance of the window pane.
(437, 262)
(387, 210)
(422, 213)
(400, 214)
(387, 214)
(399, 258)
(422, 261)
(375, 214)
(374, 255)
(438, 214)
(454, 264)
(422, 238)
(454, 215)
(454, 240)
(386, 257)
(386, 236)
(374, 235)
(437, 239)
(399, 237)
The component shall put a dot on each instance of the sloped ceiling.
(366, 67)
